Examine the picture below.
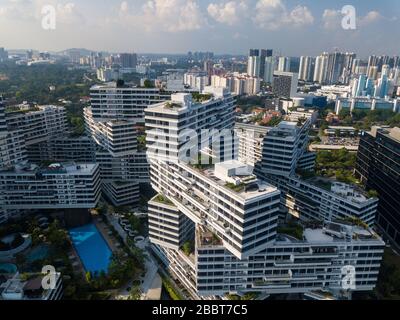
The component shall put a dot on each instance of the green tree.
(135, 293)
(187, 247)
(148, 84)
(88, 276)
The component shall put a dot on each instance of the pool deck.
(78, 268)
(103, 229)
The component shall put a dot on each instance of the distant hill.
(80, 51)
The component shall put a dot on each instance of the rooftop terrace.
(338, 230)
(238, 178)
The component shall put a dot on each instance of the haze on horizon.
(305, 27)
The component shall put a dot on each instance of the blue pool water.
(92, 249)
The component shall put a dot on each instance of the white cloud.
(164, 15)
(273, 14)
(331, 19)
(370, 17)
(16, 9)
(229, 13)
(67, 13)
(300, 16)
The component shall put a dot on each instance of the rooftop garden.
(236, 188)
(18, 110)
(247, 296)
(172, 105)
(338, 164)
(292, 229)
(210, 239)
(164, 200)
(199, 97)
(354, 221)
(372, 194)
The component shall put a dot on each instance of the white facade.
(64, 186)
(284, 64)
(251, 140)
(112, 102)
(306, 68)
(270, 67)
(37, 124)
(321, 67)
(237, 83)
(112, 121)
(237, 246)
(253, 66)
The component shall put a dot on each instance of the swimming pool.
(91, 247)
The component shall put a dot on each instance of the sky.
(290, 27)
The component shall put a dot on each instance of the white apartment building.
(367, 104)
(3, 124)
(62, 148)
(237, 246)
(289, 265)
(63, 186)
(251, 140)
(283, 64)
(283, 146)
(316, 199)
(306, 68)
(284, 152)
(168, 226)
(321, 68)
(296, 114)
(270, 67)
(30, 133)
(111, 101)
(196, 79)
(111, 121)
(202, 202)
(253, 66)
(12, 148)
(38, 124)
(12, 143)
(167, 122)
(119, 137)
(105, 74)
(237, 83)
(334, 91)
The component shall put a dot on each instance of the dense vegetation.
(32, 84)
(364, 119)
(173, 293)
(248, 103)
(337, 163)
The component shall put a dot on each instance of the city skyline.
(176, 26)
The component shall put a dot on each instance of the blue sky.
(292, 27)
